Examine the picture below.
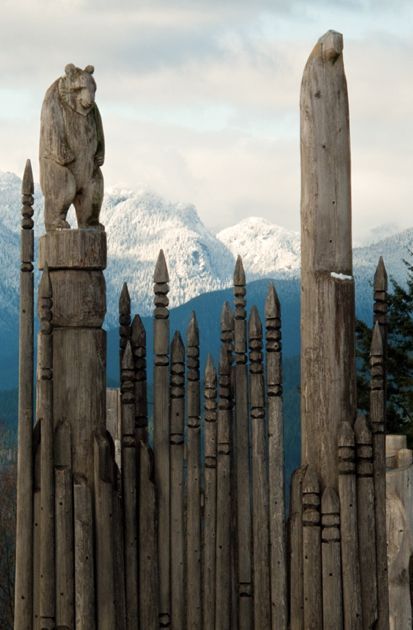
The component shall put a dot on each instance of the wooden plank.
(104, 532)
(259, 458)
(296, 551)
(223, 542)
(84, 555)
(177, 408)
(353, 619)
(366, 521)
(210, 494)
(242, 454)
(129, 487)
(138, 340)
(377, 418)
(331, 561)
(161, 434)
(23, 591)
(119, 551)
(148, 561)
(47, 497)
(328, 391)
(193, 489)
(278, 546)
(65, 578)
(312, 572)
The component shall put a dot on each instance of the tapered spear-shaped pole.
(210, 493)
(242, 453)
(193, 506)
(331, 561)
(259, 461)
(177, 415)
(138, 340)
(378, 417)
(161, 433)
(124, 319)
(276, 462)
(327, 304)
(312, 571)
(24, 516)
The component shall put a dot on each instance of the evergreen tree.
(399, 358)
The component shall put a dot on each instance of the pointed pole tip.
(239, 273)
(161, 275)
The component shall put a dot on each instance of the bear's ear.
(90, 69)
(70, 70)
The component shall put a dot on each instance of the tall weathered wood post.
(327, 298)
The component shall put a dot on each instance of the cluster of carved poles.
(337, 537)
(217, 547)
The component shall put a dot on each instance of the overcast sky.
(199, 99)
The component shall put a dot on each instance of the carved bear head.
(77, 88)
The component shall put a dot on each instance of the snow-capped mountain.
(140, 223)
(266, 249)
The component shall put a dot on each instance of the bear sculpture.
(72, 149)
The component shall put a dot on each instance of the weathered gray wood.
(296, 551)
(312, 570)
(177, 409)
(36, 526)
(124, 320)
(161, 433)
(138, 340)
(242, 454)
(377, 417)
(104, 533)
(119, 551)
(113, 420)
(47, 498)
(259, 469)
(331, 561)
(23, 591)
(72, 149)
(129, 487)
(366, 521)
(193, 494)
(148, 561)
(349, 531)
(380, 299)
(65, 578)
(73, 249)
(210, 494)
(327, 303)
(278, 547)
(223, 542)
(84, 556)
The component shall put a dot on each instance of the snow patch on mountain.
(267, 250)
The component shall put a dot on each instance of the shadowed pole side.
(65, 577)
(193, 494)
(138, 341)
(296, 551)
(331, 561)
(378, 418)
(23, 606)
(327, 298)
(36, 526)
(278, 565)
(312, 571)
(223, 541)
(129, 487)
(259, 472)
(347, 491)
(210, 494)
(124, 320)
(177, 447)
(366, 520)
(47, 489)
(104, 532)
(242, 454)
(161, 433)
(148, 561)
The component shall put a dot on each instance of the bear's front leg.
(59, 189)
(88, 202)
